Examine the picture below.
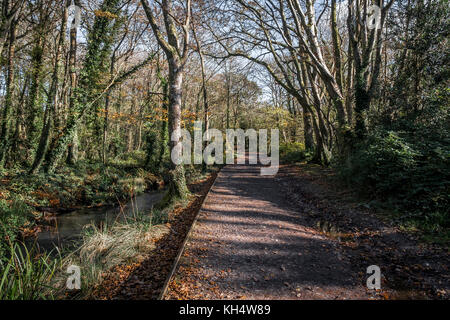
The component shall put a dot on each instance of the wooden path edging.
(183, 247)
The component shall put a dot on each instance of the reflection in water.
(68, 227)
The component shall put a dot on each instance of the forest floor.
(299, 236)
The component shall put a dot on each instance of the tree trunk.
(164, 132)
(362, 103)
(205, 94)
(308, 130)
(72, 153)
(32, 103)
(50, 109)
(349, 98)
(228, 86)
(4, 135)
(177, 188)
(176, 58)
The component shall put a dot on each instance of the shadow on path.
(250, 243)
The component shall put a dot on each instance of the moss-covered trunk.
(8, 104)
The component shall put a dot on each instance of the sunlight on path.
(248, 243)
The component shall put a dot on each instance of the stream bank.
(65, 229)
(30, 203)
(144, 279)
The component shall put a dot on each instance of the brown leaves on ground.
(410, 270)
(145, 279)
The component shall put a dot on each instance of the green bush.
(409, 172)
(12, 217)
(130, 159)
(382, 165)
(293, 152)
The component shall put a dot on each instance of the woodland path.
(250, 243)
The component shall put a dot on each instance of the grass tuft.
(25, 276)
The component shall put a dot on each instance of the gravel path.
(249, 243)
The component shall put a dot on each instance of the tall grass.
(104, 247)
(25, 276)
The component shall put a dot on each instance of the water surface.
(66, 228)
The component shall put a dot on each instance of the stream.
(65, 229)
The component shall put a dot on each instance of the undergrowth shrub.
(293, 152)
(382, 165)
(13, 215)
(408, 172)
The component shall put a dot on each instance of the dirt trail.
(300, 235)
(250, 243)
